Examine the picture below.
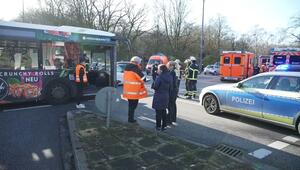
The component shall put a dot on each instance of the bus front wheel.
(57, 93)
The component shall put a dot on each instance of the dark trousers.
(132, 105)
(186, 87)
(192, 87)
(161, 116)
(79, 92)
(178, 83)
(172, 112)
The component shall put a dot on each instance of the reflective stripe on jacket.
(133, 86)
(77, 74)
(193, 72)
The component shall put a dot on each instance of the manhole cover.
(229, 151)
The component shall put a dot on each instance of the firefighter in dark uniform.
(193, 70)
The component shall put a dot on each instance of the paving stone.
(167, 165)
(188, 158)
(126, 164)
(171, 150)
(108, 140)
(96, 156)
(115, 150)
(149, 142)
(204, 154)
(151, 157)
(187, 144)
(100, 166)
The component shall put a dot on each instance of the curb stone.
(79, 156)
(66, 149)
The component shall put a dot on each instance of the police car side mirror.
(240, 85)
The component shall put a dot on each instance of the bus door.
(100, 67)
(237, 67)
(225, 65)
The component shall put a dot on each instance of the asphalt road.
(30, 137)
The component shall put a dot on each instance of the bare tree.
(82, 12)
(109, 14)
(294, 29)
(173, 18)
(221, 29)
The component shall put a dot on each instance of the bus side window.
(6, 58)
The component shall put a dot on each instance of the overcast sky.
(242, 15)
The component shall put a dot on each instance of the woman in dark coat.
(162, 87)
(172, 108)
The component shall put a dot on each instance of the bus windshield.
(152, 61)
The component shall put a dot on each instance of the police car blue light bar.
(282, 67)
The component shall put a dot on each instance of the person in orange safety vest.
(81, 80)
(133, 86)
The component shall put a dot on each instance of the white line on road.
(48, 153)
(278, 145)
(260, 153)
(146, 118)
(27, 108)
(188, 101)
(291, 139)
(35, 157)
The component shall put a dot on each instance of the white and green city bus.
(37, 62)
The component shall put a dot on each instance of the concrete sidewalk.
(129, 146)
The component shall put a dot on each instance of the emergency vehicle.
(236, 65)
(284, 56)
(263, 59)
(158, 58)
(273, 97)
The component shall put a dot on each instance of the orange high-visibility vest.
(77, 72)
(133, 86)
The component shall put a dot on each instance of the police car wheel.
(298, 127)
(211, 104)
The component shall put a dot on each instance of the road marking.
(146, 118)
(27, 108)
(290, 139)
(89, 94)
(260, 153)
(188, 102)
(48, 153)
(278, 145)
(35, 157)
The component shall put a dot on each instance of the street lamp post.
(23, 11)
(202, 38)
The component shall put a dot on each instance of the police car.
(273, 97)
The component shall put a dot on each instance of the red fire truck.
(284, 56)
